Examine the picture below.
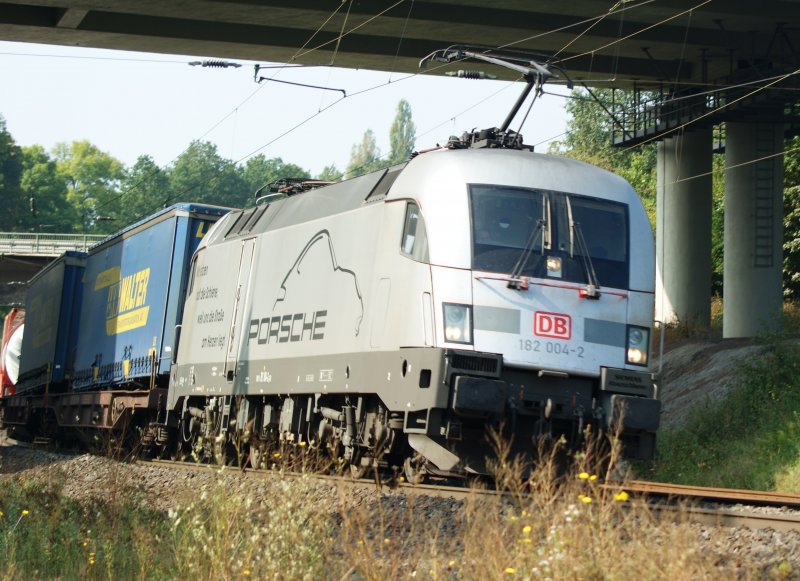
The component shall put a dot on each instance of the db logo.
(552, 325)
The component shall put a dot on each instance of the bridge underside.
(15, 272)
(605, 44)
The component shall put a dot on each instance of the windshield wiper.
(515, 280)
(592, 290)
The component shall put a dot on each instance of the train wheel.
(414, 469)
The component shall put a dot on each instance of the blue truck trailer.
(134, 289)
(51, 325)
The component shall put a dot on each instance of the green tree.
(402, 134)
(365, 156)
(201, 175)
(791, 163)
(144, 189)
(791, 242)
(92, 177)
(330, 174)
(46, 192)
(14, 204)
(259, 171)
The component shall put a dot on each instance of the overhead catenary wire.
(626, 6)
(341, 35)
(635, 33)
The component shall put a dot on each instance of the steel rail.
(732, 495)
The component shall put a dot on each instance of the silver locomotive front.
(543, 279)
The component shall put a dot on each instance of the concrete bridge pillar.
(753, 229)
(683, 229)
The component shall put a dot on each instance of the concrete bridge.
(22, 255)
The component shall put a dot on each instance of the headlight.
(553, 266)
(457, 323)
(638, 345)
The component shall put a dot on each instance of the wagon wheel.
(414, 469)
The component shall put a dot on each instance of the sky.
(130, 104)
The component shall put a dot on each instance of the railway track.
(703, 505)
(722, 507)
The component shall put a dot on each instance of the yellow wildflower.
(25, 512)
(593, 477)
(583, 475)
(586, 500)
(276, 455)
(451, 564)
(510, 570)
(302, 444)
(526, 529)
(621, 496)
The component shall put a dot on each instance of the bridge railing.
(25, 243)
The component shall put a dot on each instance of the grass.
(571, 527)
(44, 536)
(751, 439)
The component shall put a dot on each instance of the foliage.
(791, 242)
(402, 134)
(10, 175)
(759, 421)
(77, 188)
(225, 535)
(576, 526)
(259, 171)
(46, 536)
(92, 178)
(365, 156)
(330, 174)
(45, 190)
(200, 174)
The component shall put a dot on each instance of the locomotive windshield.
(552, 233)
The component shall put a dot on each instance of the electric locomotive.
(405, 311)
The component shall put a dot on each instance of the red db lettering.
(552, 325)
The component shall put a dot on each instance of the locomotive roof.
(418, 179)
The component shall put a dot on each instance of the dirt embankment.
(695, 372)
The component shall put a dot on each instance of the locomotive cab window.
(415, 241)
(546, 234)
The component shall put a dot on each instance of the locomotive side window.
(518, 230)
(415, 241)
